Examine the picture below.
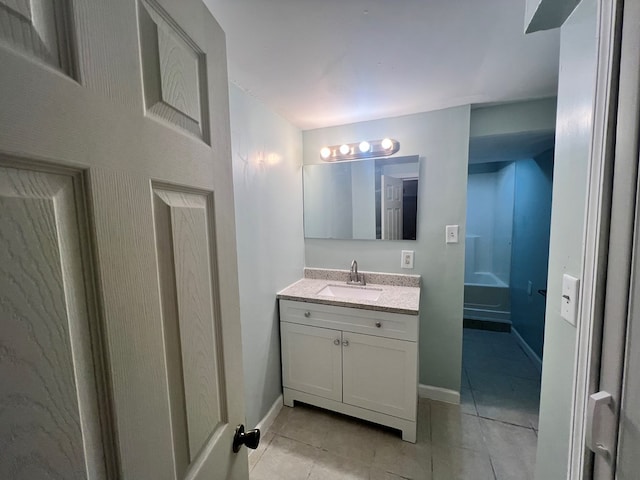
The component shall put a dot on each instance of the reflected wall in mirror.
(362, 200)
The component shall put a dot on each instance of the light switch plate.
(406, 259)
(569, 300)
(451, 232)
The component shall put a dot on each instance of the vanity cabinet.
(362, 363)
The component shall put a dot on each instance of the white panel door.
(312, 360)
(380, 374)
(120, 351)
(391, 208)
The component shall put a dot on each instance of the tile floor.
(491, 435)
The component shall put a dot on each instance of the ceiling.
(330, 62)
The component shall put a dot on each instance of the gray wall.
(530, 249)
(440, 138)
(531, 116)
(576, 91)
(267, 177)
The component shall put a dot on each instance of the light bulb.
(325, 152)
(386, 144)
(344, 149)
(364, 146)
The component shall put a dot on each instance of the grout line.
(493, 469)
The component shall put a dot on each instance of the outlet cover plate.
(406, 260)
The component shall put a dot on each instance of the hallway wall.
(530, 249)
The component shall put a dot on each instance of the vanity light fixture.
(325, 153)
(363, 149)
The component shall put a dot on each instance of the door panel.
(174, 72)
(37, 28)
(380, 374)
(165, 256)
(49, 414)
(190, 320)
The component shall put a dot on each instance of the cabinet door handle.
(307, 314)
(336, 341)
(378, 324)
(345, 343)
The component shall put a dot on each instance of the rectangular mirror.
(362, 200)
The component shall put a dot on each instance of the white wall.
(503, 222)
(267, 177)
(490, 217)
(531, 116)
(441, 139)
(576, 90)
(481, 200)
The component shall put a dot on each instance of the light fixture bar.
(363, 149)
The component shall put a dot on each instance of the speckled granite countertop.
(400, 293)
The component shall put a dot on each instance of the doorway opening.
(506, 258)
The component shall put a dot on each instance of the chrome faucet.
(355, 278)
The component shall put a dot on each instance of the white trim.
(439, 394)
(407, 426)
(533, 356)
(265, 424)
(593, 282)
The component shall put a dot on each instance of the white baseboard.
(439, 394)
(265, 424)
(527, 349)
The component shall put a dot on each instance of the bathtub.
(486, 297)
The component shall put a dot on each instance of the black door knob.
(251, 438)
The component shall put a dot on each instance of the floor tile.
(281, 419)
(451, 427)
(255, 455)
(488, 381)
(307, 425)
(351, 438)
(467, 403)
(464, 381)
(329, 466)
(408, 460)
(508, 407)
(382, 475)
(285, 459)
(526, 386)
(512, 468)
(512, 449)
(424, 420)
(452, 463)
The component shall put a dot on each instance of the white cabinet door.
(312, 360)
(380, 374)
(120, 352)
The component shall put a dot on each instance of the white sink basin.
(352, 292)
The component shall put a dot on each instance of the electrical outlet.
(451, 233)
(406, 260)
